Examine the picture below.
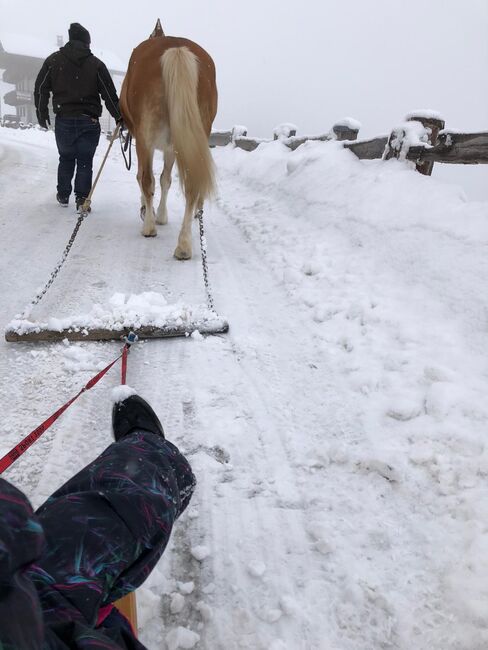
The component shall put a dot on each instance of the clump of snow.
(350, 123)
(409, 134)
(285, 130)
(77, 359)
(200, 552)
(120, 393)
(256, 569)
(181, 637)
(186, 588)
(177, 603)
(239, 131)
(426, 113)
(205, 611)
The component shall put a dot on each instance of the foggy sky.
(374, 60)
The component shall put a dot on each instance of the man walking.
(76, 79)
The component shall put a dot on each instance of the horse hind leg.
(183, 250)
(165, 181)
(145, 178)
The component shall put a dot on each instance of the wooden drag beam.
(147, 332)
(454, 148)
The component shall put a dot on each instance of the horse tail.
(190, 141)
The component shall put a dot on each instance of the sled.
(128, 607)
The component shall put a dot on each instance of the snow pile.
(122, 312)
(390, 270)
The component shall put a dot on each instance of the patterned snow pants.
(101, 535)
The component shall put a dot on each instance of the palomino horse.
(169, 101)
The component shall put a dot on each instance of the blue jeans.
(77, 140)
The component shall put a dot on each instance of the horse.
(168, 102)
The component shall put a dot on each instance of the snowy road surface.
(338, 432)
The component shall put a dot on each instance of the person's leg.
(108, 526)
(65, 140)
(86, 145)
(21, 542)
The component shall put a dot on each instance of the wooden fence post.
(434, 124)
(346, 130)
(286, 130)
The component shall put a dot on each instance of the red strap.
(31, 438)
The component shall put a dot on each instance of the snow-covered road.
(337, 432)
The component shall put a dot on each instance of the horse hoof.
(151, 233)
(180, 254)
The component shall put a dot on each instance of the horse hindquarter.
(180, 70)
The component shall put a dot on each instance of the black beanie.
(78, 33)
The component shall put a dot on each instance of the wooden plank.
(454, 148)
(248, 144)
(368, 149)
(128, 607)
(220, 138)
(217, 327)
(296, 141)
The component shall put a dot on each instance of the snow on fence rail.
(422, 138)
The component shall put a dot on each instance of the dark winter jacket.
(76, 78)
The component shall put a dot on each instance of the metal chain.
(58, 266)
(85, 208)
(203, 247)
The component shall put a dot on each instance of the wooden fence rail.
(430, 143)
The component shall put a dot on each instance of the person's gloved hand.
(44, 121)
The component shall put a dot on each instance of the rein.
(126, 143)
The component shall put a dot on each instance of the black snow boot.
(134, 413)
(62, 200)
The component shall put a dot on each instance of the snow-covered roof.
(26, 45)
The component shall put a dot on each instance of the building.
(21, 58)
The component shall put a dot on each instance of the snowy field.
(338, 431)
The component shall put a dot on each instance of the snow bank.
(390, 269)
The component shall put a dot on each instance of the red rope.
(33, 436)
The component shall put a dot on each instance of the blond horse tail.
(195, 164)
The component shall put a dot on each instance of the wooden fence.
(422, 138)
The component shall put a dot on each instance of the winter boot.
(62, 200)
(134, 413)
